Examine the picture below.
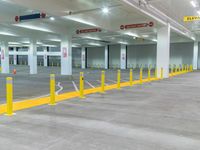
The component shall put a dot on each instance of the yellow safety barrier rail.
(9, 107)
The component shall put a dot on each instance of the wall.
(76, 57)
(114, 56)
(181, 53)
(95, 57)
(141, 55)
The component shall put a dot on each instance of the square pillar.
(32, 56)
(15, 55)
(83, 57)
(66, 55)
(106, 55)
(163, 51)
(45, 57)
(5, 68)
(195, 55)
(123, 56)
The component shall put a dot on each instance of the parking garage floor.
(161, 115)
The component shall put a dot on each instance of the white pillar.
(195, 55)
(33, 57)
(45, 57)
(163, 51)
(5, 58)
(83, 58)
(106, 56)
(15, 56)
(66, 56)
(123, 56)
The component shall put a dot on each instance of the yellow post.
(81, 85)
(131, 77)
(52, 90)
(161, 75)
(9, 96)
(103, 81)
(149, 74)
(118, 79)
(141, 75)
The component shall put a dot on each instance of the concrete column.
(15, 56)
(45, 57)
(195, 55)
(163, 51)
(123, 56)
(66, 55)
(106, 56)
(33, 57)
(83, 58)
(5, 58)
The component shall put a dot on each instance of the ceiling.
(73, 15)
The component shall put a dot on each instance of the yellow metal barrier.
(9, 96)
(81, 85)
(131, 77)
(103, 81)
(118, 79)
(149, 74)
(161, 75)
(52, 90)
(141, 75)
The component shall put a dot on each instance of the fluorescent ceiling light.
(13, 43)
(55, 40)
(33, 27)
(92, 38)
(155, 40)
(145, 36)
(80, 20)
(7, 33)
(105, 10)
(46, 45)
(193, 3)
(132, 34)
(122, 42)
(95, 44)
(39, 43)
(52, 18)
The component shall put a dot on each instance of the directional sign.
(139, 25)
(30, 17)
(191, 18)
(88, 30)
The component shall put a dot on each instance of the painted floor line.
(74, 84)
(61, 88)
(100, 82)
(89, 84)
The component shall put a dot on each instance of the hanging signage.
(191, 18)
(88, 30)
(139, 25)
(2, 54)
(30, 17)
(64, 52)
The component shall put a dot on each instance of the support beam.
(106, 62)
(4, 58)
(45, 57)
(123, 56)
(163, 51)
(195, 55)
(15, 55)
(33, 57)
(83, 57)
(66, 55)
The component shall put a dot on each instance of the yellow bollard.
(131, 77)
(103, 81)
(52, 90)
(118, 79)
(149, 74)
(9, 96)
(141, 75)
(161, 75)
(81, 90)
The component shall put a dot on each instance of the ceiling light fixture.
(105, 10)
(193, 4)
(52, 18)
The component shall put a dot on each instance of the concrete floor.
(28, 86)
(162, 115)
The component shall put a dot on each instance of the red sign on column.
(64, 52)
(2, 54)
